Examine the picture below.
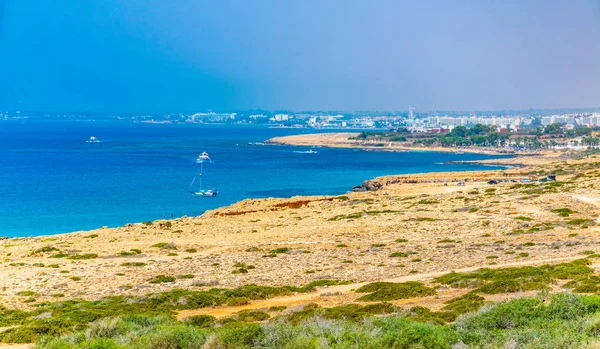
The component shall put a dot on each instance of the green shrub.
(237, 301)
(427, 202)
(241, 335)
(251, 316)
(46, 249)
(464, 304)
(133, 264)
(563, 212)
(165, 246)
(388, 291)
(581, 221)
(425, 219)
(279, 250)
(132, 252)
(202, 321)
(162, 279)
(83, 256)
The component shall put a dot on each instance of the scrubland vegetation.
(546, 321)
(559, 320)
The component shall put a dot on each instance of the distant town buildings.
(591, 119)
(409, 120)
(211, 117)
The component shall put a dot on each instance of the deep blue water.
(52, 181)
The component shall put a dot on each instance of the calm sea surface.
(52, 181)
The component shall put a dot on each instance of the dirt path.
(345, 291)
(589, 200)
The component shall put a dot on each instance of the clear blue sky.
(159, 56)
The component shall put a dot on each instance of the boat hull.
(204, 193)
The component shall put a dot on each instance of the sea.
(53, 181)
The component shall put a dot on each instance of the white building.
(281, 117)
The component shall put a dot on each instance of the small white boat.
(92, 140)
(202, 158)
(311, 151)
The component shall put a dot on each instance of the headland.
(422, 231)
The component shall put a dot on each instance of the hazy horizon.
(154, 56)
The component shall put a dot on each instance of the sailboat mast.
(201, 170)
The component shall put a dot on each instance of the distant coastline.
(343, 140)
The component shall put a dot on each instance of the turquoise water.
(52, 181)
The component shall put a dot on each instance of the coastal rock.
(371, 185)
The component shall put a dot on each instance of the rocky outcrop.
(370, 185)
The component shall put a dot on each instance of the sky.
(168, 56)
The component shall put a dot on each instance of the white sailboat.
(202, 192)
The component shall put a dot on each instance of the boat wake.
(312, 151)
